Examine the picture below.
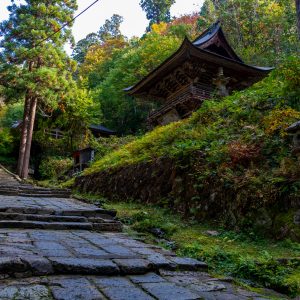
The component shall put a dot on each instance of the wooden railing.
(198, 92)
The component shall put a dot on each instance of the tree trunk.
(24, 135)
(24, 129)
(298, 16)
(24, 173)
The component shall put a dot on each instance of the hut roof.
(101, 129)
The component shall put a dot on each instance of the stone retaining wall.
(168, 183)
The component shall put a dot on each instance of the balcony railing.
(197, 92)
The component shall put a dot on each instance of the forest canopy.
(261, 32)
(88, 88)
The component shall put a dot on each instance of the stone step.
(43, 190)
(52, 195)
(61, 225)
(27, 266)
(101, 219)
(9, 193)
(33, 192)
(46, 225)
(9, 187)
(98, 213)
(42, 218)
(108, 226)
(28, 210)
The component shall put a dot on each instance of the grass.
(249, 258)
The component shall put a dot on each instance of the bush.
(11, 113)
(104, 146)
(6, 142)
(52, 167)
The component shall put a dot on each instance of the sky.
(135, 21)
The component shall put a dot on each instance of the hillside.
(231, 161)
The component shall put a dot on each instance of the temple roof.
(213, 40)
(210, 47)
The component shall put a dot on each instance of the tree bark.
(24, 133)
(298, 16)
(25, 168)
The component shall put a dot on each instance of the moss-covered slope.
(230, 161)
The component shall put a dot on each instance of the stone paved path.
(38, 262)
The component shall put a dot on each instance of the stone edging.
(10, 173)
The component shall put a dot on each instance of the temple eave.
(190, 52)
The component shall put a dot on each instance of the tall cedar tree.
(298, 16)
(38, 72)
(157, 11)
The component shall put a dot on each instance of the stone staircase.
(26, 206)
(10, 186)
(29, 191)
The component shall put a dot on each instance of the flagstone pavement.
(54, 248)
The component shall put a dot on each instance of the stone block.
(210, 286)
(111, 282)
(147, 278)
(74, 288)
(39, 265)
(84, 266)
(168, 291)
(188, 264)
(133, 266)
(126, 293)
(11, 265)
(32, 292)
(116, 249)
(90, 251)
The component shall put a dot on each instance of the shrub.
(6, 142)
(53, 167)
(104, 146)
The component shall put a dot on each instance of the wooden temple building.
(197, 71)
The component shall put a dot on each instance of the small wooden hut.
(82, 158)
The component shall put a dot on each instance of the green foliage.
(111, 28)
(11, 113)
(157, 11)
(120, 67)
(42, 71)
(82, 46)
(108, 31)
(262, 32)
(6, 142)
(54, 167)
(106, 145)
(38, 70)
